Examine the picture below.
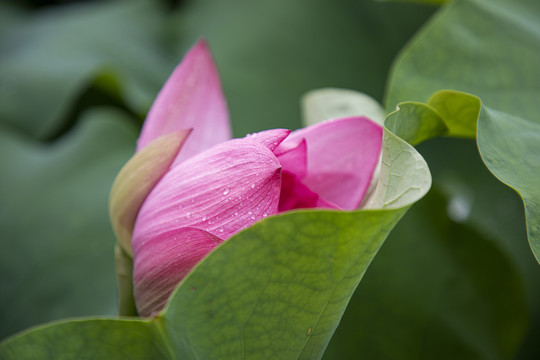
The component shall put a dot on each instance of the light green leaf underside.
(490, 49)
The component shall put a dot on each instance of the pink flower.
(214, 187)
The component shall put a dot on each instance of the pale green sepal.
(137, 178)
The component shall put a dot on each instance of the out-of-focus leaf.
(9, 15)
(457, 295)
(48, 57)
(323, 104)
(270, 53)
(433, 2)
(56, 256)
(476, 198)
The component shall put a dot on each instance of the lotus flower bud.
(196, 189)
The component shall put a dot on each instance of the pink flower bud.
(216, 187)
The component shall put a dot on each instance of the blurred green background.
(455, 280)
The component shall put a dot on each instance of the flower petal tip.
(192, 97)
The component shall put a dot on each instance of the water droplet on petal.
(204, 218)
(221, 230)
(226, 191)
(249, 212)
(253, 186)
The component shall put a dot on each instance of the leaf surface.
(490, 49)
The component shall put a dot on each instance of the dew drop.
(253, 218)
(226, 191)
(204, 218)
(249, 213)
(236, 213)
(253, 186)
(221, 230)
(265, 215)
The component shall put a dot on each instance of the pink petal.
(163, 261)
(293, 159)
(222, 190)
(342, 155)
(270, 138)
(192, 97)
(294, 194)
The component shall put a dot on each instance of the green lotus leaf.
(490, 49)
